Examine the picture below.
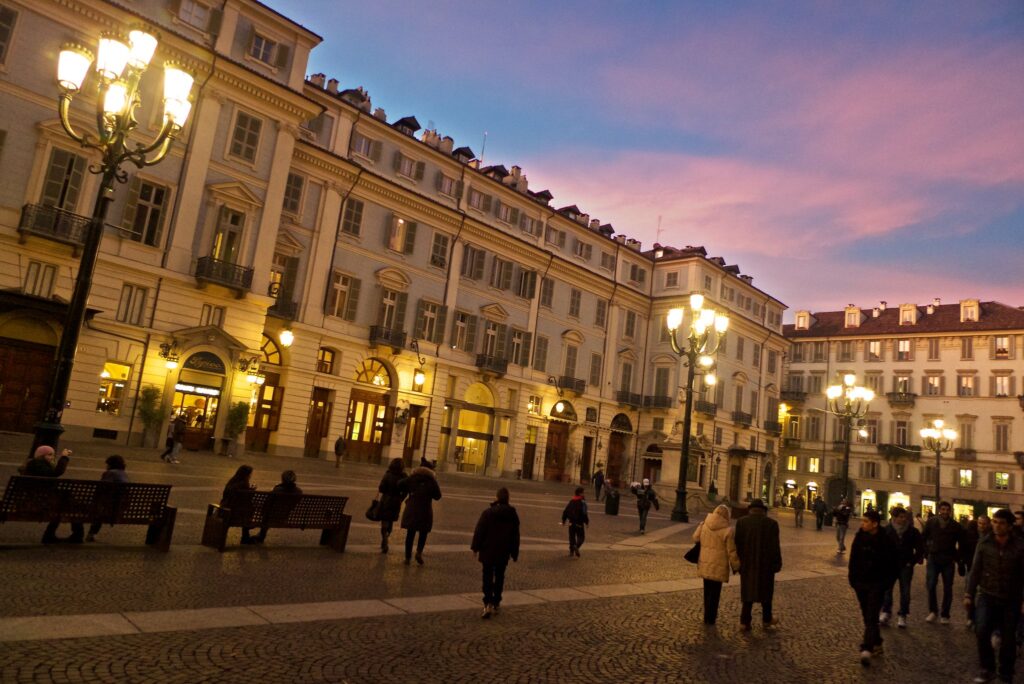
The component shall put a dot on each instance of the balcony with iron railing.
(210, 270)
(493, 364)
(576, 385)
(773, 427)
(793, 395)
(54, 224)
(901, 399)
(658, 401)
(964, 454)
(895, 452)
(741, 418)
(709, 408)
(629, 398)
(791, 442)
(284, 309)
(379, 335)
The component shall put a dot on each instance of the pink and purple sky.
(837, 151)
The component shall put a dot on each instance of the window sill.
(362, 156)
(260, 63)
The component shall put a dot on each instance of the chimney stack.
(332, 86)
(379, 114)
(936, 302)
(446, 145)
(882, 305)
(317, 80)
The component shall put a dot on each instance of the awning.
(54, 307)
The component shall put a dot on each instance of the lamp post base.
(679, 513)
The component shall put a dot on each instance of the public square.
(291, 611)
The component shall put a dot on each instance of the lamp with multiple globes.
(697, 349)
(118, 64)
(939, 439)
(849, 402)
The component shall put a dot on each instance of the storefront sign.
(197, 389)
(206, 362)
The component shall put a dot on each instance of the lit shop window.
(113, 380)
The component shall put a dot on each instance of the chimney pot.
(317, 80)
(875, 312)
(882, 305)
(332, 86)
(447, 144)
(937, 302)
(379, 114)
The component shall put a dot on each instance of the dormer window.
(852, 318)
(968, 311)
(908, 314)
(803, 321)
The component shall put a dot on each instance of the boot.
(383, 542)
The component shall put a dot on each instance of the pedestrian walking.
(168, 442)
(421, 491)
(495, 541)
(941, 542)
(979, 527)
(239, 482)
(996, 586)
(841, 519)
(116, 474)
(799, 505)
(280, 506)
(820, 509)
(177, 436)
(391, 497)
(340, 447)
(44, 463)
(910, 552)
(873, 569)
(598, 481)
(576, 513)
(760, 555)
(645, 498)
(717, 558)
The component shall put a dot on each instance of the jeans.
(577, 535)
(935, 569)
(819, 521)
(748, 608)
(409, 534)
(870, 598)
(597, 491)
(176, 450)
(992, 614)
(712, 596)
(643, 517)
(169, 444)
(494, 582)
(841, 536)
(905, 578)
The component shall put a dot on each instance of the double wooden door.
(25, 371)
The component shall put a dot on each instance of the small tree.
(238, 416)
(150, 409)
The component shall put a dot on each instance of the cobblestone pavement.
(654, 637)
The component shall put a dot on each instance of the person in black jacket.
(910, 551)
(645, 498)
(941, 542)
(975, 532)
(391, 498)
(841, 519)
(757, 545)
(239, 482)
(873, 568)
(495, 540)
(598, 481)
(576, 513)
(42, 464)
(996, 584)
(281, 506)
(422, 490)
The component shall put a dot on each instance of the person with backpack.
(645, 498)
(495, 541)
(576, 513)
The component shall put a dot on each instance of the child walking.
(576, 513)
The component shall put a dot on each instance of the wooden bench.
(49, 499)
(279, 510)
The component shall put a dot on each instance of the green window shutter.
(352, 303)
(478, 264)
(403, 298)
(497, 207)
(283, 52)
(291, 272)
(420, 169)
(410, 238)
(487, 203)
(992, 386)
(375, 150)
(128, 220)
(540, 355)
(459, 185)
(501, 344)
(523, 221)
(471, 333)
(506, 275)
(524, 352)
(396, 160)
(514, 218)
(417, 329)
(442, 319)
(213, 26)
(438, 178)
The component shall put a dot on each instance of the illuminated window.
(113, 380)
(791, 463)
(1001, 481)
(375, 373)
(966, 478)
(534, 405)
(325, 360)
(814, 465)
(271, 352)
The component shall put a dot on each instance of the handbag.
(373, 512)
(693, 555)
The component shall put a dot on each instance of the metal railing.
(53, 223)
(223, 273)
(742, 418)
(284, 308)
(572, 384)
(392, 338)
(707, 407)
(629, 398)
(658, 401)
(495, 364)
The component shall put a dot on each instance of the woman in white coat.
(717, 558)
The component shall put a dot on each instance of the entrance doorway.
(368, 416)
(734, 482)
(25, 370)
(267, 415)
(556, 450)
(413, 434)
(588, 457)
(319, 422)
(621, 427)
(766, 486)
(529, 452)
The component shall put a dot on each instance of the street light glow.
(674, 318)
(143, 45)
(73, 66)
(696, 301)
(112, 56)
(834, 392)
(721, 323)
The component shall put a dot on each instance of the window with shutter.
(439, 327)
(352, 220)
(540, 354)
(601, 313)
(547, 292)
(596, 361)
(524, 354)
(439, 250)
(245, 137)
(144, 211)
(293, 188)
(63, 183)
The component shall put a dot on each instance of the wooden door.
(529, 453)
(616, 448)
(413, 434)
(319, 422)
(734, 483)
(587, 458)
(369, 418)
(267, 415)
(25, 371)
(555, 453)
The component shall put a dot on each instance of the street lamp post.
(938, 439)
(119, 66)
(848, 402)
(702, 339)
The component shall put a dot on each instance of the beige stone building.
(961, 363)
(343, 273)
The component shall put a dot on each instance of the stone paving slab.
(508, 598)
(560, 594)
(65, 626)
(326, 610)
(201, 618)
(606, 590)
(432, 604)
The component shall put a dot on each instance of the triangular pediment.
(207, 335)
(287, 243)
(494, 312)
(235, 191)
(627, 354)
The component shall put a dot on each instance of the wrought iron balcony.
(895, 452)
(793, 395)
(658, 401)
(741, 418)
(284, 308)
(962, 454)
(838, 445)
(210, 270)
(791, 442)
(577, 385)
(901, 399)
(773, 427)
(53, 223)
(629, 398)
(706, 407)
(386, 336)
(494, 364)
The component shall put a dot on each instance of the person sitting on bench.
(279, 505)
(115, 472)
(239, 482)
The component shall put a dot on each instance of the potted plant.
(238, 416)
(149, 406)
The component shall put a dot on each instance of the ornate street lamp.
(848, 402)
(702, 339)
(938, 439)
(119, 66)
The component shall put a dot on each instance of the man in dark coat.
(910, 550)
(495, 540)
(422, 491)
(941, 541)
(598, 484)
(576, 513)
(340, 447)
(820, 509)
(874, 565)
(45, 464)
(391, 498)
(645, 498)
(757, 545)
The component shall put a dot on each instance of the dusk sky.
(836, 151)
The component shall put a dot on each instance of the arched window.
(374, 372)
(271, 352)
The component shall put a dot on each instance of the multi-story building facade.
(961, 363)
(345, 275)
